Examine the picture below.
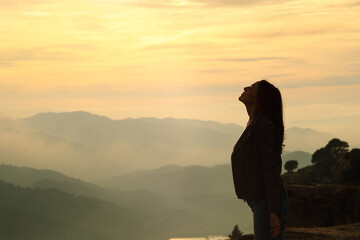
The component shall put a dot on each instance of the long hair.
(270, 105)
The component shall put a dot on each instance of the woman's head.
(267, 101)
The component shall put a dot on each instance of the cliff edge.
(342, 232)
(323, 205)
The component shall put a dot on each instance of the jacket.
(256, 164)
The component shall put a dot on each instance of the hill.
(25, 176)
(196, 213)
(305, 139)
(341, 127)
(42, 214)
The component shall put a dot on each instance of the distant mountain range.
(305, 139)
(142, 178)
(343, 127)
(95, 147)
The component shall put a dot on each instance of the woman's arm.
(270, 161)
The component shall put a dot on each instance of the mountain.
(177, 181)
(118, 145)
(305, 139)
(140, 199)
(95, 147)
(95, 130)
(25, 176)
(343, 127)
(51, 214)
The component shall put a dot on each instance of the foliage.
(332, 150)
(236, 233)
(291, 165)
(347, 169)
(325, 158)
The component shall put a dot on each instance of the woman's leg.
(261, 218)
(285, 212)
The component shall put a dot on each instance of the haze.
(120, 93)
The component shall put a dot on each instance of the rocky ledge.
(323, 205)
(341, 232)
(322, 212)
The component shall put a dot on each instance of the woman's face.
(249, 94)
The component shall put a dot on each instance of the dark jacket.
(256, 164)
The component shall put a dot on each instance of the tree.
(236, 233)
(347, 170)
(325, 158)
(333, 150)
(353, 175)
(291, 165)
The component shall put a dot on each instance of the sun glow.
(194, 55)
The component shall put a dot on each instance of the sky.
(179, 58)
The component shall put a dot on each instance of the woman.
(256, 160)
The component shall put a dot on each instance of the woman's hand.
(275, 225)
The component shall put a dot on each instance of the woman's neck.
(252, 111)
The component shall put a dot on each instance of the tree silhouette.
(347, 169)
(334, 149)
(291, 165)
(326, 157)
(236, 233)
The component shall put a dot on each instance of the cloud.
(9, 56)
(38, 14)
(114, 92)
(11, 4)
(5, 64)
(340, 80)
(199, 3)
(217, 3)
(216, 71)
(354, 4)
(253, 59)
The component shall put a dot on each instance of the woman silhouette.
(256, 161)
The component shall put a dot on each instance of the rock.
(323, 205)
(247, 237)
(342, 232)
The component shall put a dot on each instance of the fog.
(21, 147)
(94, 148)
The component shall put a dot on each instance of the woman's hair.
(270, 105)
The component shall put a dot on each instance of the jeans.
(261, 217)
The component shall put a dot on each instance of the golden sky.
(178, 58)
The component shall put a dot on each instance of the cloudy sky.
(179, 58)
